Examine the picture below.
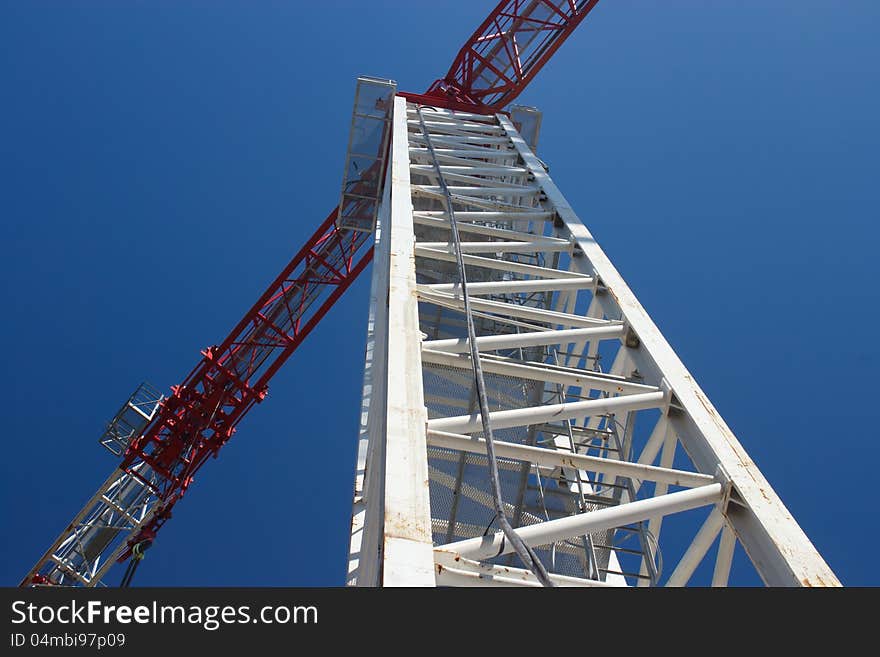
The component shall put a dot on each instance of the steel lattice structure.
(572, 361)
(590, 406)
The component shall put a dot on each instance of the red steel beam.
(201, 414)
(508, 49)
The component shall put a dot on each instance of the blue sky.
(160, 163)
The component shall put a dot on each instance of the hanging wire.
(137, 555)
(657, 555)
(523, 551)
(546, 512)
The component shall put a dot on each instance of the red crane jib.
(507, 50)
(200, 416)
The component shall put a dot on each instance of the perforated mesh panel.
(460, 488)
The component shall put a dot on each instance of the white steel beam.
(438, 113)
(724, 560)
(531, 246)
(660, 435)
(531, 339)
(442, 222)
(407, 555)
(473, 190)
(463, 139)
(486, 547)
(464, 153)
(439, 123)
(513, 180)
(556, 458)
(777, 546)
(539, 372)
(515, 286)
(519, 417)
(424, 219)
(504, 265)
(512, 309)
(697, 550)
(473, 170)
(531, 214)
(452, 571)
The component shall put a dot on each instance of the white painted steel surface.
(588, 402)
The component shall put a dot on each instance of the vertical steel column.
(401, 553)
(365, 547)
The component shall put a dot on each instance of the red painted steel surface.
(508, 50)
(201, 414)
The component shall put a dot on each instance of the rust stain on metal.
(818, 580)
(398, 525)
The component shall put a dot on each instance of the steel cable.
(523, 551)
